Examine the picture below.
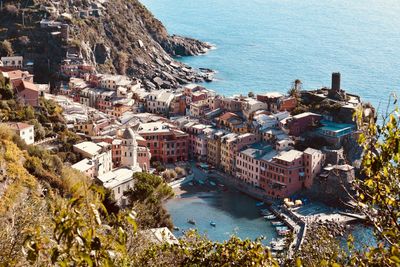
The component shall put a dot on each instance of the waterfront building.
(300, 123)
(167, 144)
(214, 147)
(231, 144)
(271, 99)
(283, 174)
(334, 133)
(23, 130)
(314, 161)
(248, 162)
(197, 139)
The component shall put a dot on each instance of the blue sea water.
(263, 45)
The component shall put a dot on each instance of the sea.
(264, 45)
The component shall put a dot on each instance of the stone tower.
(129, 149)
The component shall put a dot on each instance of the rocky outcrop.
(124, 39)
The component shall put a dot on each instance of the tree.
(6, 48)
(379, 192)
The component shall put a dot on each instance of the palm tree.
(296, 88)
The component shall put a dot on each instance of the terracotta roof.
(18, 125)
(228, 115)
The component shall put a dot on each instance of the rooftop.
(83, 165)
(257, 151)
(290, 155)
(19, 125)
(117, 177)
(88, 147)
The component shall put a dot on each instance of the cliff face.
(124, 37)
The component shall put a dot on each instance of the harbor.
(219, 210)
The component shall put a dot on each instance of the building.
(118, 181)
(314, 162)
(214, 147)
(290, 171)
(24, 130)
(13, 62)
(167, 144)
(159, 102)
(283, 174)
(251, 105)
(334, 133)
(86, 166)
(100, 154)
(301, 123)
(248, 163)
(129, 149)
(231, 144)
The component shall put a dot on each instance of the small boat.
(282, 228)
(176, 228)
(270, 217)
(283, 232)
(191, 221)
(259, 204)
(190, 183)
(213, 224)
(266, 213)
(277, 223)
(212, 183)
(201, 182)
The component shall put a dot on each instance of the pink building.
(314, 162)
(300, 123)
(284, 174)
(143, 158)
(249, 160)
(290, 171)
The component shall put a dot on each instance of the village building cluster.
(251, 138)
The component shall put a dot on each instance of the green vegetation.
(146, 199)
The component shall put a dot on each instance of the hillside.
(123, 37)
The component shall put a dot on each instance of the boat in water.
(277, 223)
(201, 182)
(282, 228)
(270, 217)
(283, 232)
(259, 204)
(213, 224)
(213, 183)
(191, 221)
(176, 228)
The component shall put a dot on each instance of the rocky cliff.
(118, 36)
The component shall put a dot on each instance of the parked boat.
(282, 228)
(259, 204)
(277, 223)
(191, 221)
(213, 183)
(270, 217)
(176, 228)
(190, 183)
(283, 232)
(213, 224)
(201, 182)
